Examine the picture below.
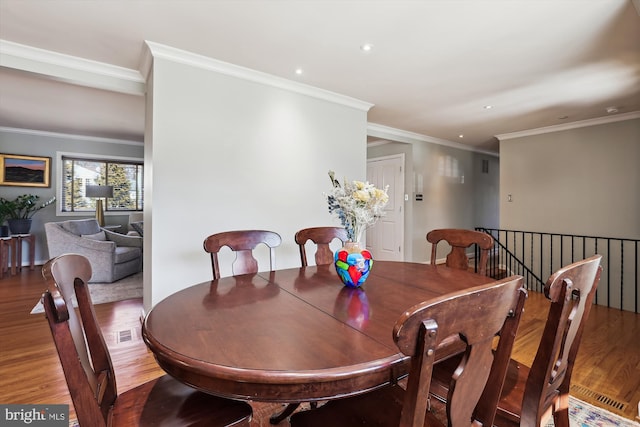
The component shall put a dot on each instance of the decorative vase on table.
(353, 264)
(358, 205)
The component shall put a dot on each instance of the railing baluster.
(573, 254)
(621, 274)
(608, 272)
(551, 270)
(541, 254)
(561, 249)
(595, 252)
(522, 251)
(531, 249)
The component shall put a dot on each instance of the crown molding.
(68, 136)
(71, 69)
(399, 135)
(156, 50)
(572, 125)
(378, 142)
(146, 60)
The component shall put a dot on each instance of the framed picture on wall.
(25, 171)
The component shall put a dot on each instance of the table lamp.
(99, 191)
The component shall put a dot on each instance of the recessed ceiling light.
(461, 136)
(563, 117)
(488, 107)
(612, 110)
(367, 47)
(298, 71)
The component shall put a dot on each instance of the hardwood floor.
(607, 372)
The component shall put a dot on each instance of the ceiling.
(434, 66)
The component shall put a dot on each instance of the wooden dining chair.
(89, 372)
(243, 242)
(460, 240)
(472, 318)
(530, 395)
(322, 237)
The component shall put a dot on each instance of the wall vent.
(485, 166)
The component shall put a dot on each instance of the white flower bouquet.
(357, 204)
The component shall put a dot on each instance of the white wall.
(224, 152)
(486, 193)
(449, 201)
(448, 193)
(577, 181)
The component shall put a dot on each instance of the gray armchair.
(136, 224)
(112, 255)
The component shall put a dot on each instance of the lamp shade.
(99, 191)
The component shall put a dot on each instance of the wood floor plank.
(608, 362)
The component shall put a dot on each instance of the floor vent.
(124, 336)
(605, 400)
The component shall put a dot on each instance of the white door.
(385, 240)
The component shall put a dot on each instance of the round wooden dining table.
(296, 334)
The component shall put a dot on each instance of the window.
(126, 177)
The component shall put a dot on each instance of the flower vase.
(353, 264)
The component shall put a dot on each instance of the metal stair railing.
(537, 255)
(503, 263)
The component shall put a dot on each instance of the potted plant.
(19, 211)
(4, 214)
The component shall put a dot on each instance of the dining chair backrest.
(89, 373)
(460, 240)
(476, 316)
(571, 290)
(322, 237)
(92, 384)
(64, 269)
(242, 242)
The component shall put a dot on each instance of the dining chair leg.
(284, 414)
(561, 411)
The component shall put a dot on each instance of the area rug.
(127, 288)
(582, 414)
